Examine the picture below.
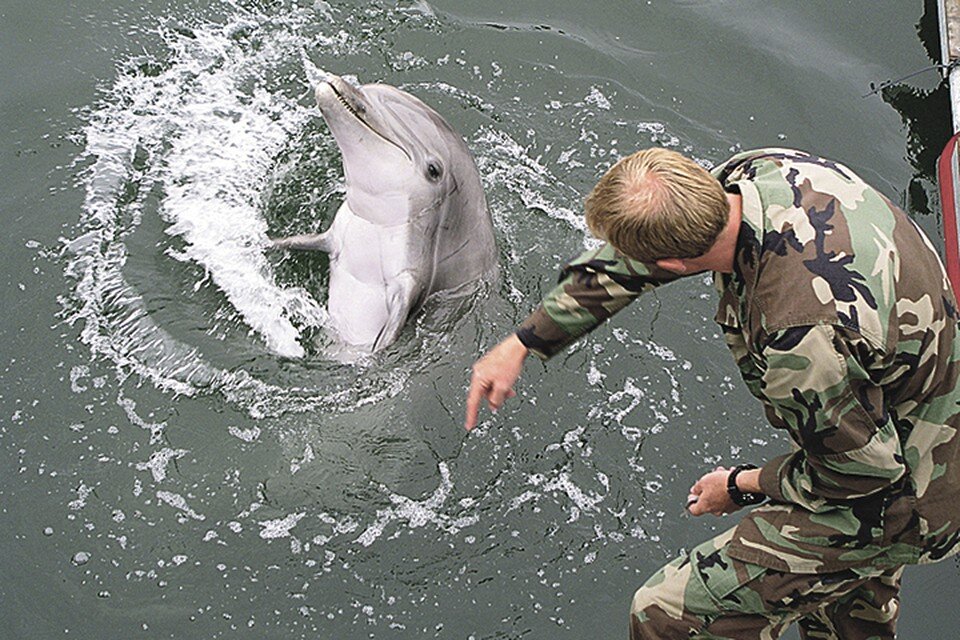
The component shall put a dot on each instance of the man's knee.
(657, 611)
(673, 603)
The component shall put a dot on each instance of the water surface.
(178, 457)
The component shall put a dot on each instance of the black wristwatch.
(742, 498)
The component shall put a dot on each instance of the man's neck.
(726, 244)
(721, 255)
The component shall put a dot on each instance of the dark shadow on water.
(926, 114)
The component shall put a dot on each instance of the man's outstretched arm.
(592, 288)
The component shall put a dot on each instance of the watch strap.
(742, 498)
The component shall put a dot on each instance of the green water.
(165, 474)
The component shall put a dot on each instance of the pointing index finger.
(476, 393)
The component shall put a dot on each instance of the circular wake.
(188, 159)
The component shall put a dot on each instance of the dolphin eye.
(434, 171)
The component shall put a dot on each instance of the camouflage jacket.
(842, 322)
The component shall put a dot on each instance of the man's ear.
(675, 265)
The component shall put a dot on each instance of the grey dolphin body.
(414, 220)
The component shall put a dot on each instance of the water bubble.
(48, 531)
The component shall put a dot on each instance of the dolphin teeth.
(346, 104)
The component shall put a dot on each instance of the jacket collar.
(737, 287)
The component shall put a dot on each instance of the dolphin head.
(401, 159)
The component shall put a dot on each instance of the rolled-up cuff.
(771, 475)
(542, 335)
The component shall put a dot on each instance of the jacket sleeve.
(817, 384)
(592, 288)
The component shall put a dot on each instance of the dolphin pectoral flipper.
(404, 295)
(305, 242)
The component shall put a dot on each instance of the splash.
(195, 139)
(202, 130)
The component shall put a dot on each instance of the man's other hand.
(709, 494)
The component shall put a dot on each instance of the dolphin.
(414, 220)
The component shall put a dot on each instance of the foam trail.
(206, 140)
(506, 163)
(217, 170)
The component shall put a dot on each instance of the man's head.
(658, 204)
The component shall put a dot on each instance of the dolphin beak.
(340, 102)
(334, 91)
(350, 97)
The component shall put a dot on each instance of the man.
(843, 324)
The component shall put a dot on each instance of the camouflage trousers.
(707, 594)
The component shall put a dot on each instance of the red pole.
(948, 174)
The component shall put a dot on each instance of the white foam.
(597, 99)
(297, 463)
(157, 464)
(504, 163)
(83, 492)
(247, 435)
(280, 528)
(418, 513)
(177, 501)
(156, 429)
(562, 483)
(216, 172)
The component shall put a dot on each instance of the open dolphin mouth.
(346, 104)
(359, 116)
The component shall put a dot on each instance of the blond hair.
(657, 204)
